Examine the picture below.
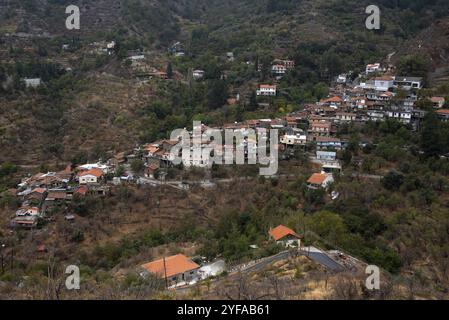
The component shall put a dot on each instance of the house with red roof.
(320, 128)
(37, 194)
(320, 180)
(443, 114)
(267, 90)
(81, 191)
(175, 270)
(333, 102)
(90, 176)
(285, 236)
(438, 102)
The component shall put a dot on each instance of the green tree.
(416, 66)
(431, 139)
(393, 181)
(217, 93)
(169, 70)
(137, 166)
(329, 226)
(252, 105)
(331, 65)
(119, 171)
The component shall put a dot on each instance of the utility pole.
(2, 258)
(12, 259)
(165, 275)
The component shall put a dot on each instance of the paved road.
(325, 261)
(314, 254)
(259, 265)
(211, 182)
(367, 176)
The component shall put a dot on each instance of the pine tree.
(170, 70)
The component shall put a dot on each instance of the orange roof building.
(91, 176)
(443, 114)
(92, 172)
(318, 180)
(170, 267)
(267, 86)
(438, 102)
(152, 149)
(81, 191)
(39, 190)
(331, 100)
(281, 232)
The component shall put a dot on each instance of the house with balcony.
(324, 143)
(358, 102)
(267, 90)
(320, 128)
(278, 70)
(345, 117)
(381, 84)
(326, 155)
(376, 115)
(288, 64)
(408, 83)
(372, 68)
(400, 115)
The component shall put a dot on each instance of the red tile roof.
(437, 99)
(58, 195)
(321, 125)
(267, 86)
(282, 231)
(332, 99)
(444, 112)
(317, 178)
(82, 190)
(152, 149)
(384, 78)
(93, 172)
(39, 190)
(173, 265)
(327, 139)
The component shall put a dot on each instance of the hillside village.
(374, 96)
(88, 174)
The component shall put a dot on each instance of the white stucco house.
(90, 176)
